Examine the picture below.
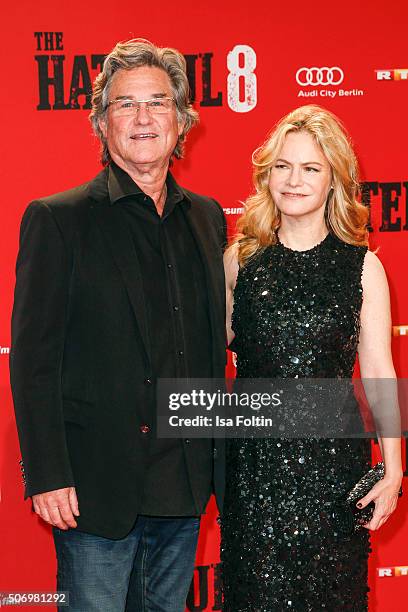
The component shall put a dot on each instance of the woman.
(304, 295)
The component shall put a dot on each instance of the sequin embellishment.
(296, 315)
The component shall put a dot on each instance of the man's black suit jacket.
(80, 359)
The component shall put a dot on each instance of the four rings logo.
(319, 76)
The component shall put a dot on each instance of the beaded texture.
(296, 315)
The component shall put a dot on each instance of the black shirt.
(175, 295)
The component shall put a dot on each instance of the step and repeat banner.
(248, 65)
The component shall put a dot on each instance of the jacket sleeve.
(38, 333)
(223, 226)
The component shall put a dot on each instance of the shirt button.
(181, 353)
(169, 266)
(175, 308)
(187, 441)
(147, 381)
(144, 429)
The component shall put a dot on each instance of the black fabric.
(296, 316)
(174, 286)
(82, 369)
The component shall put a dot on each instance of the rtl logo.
(392, 74)
(389, 572)
(400, 330)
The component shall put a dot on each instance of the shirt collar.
(121, 185)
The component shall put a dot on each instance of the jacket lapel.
(214, 272)
(120, 244)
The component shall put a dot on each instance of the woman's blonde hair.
(345, 216)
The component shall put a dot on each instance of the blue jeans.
(150, 570)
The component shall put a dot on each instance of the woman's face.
(300, 179)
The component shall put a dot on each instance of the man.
(119, 283)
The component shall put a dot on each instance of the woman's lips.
(288, 194)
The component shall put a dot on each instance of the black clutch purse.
(346, 517)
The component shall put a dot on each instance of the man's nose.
(143, 115)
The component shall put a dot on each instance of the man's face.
(143, 139)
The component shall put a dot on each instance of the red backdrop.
(245, 64)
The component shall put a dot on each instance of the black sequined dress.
(296, 314)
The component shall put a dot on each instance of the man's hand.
(58, 508)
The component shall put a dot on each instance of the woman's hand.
(385, 496)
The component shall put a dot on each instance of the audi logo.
(319, 76)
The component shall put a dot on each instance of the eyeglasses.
(124, 107)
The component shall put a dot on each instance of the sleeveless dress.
(296, 314)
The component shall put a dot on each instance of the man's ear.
(181, 125)
(102, 123)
